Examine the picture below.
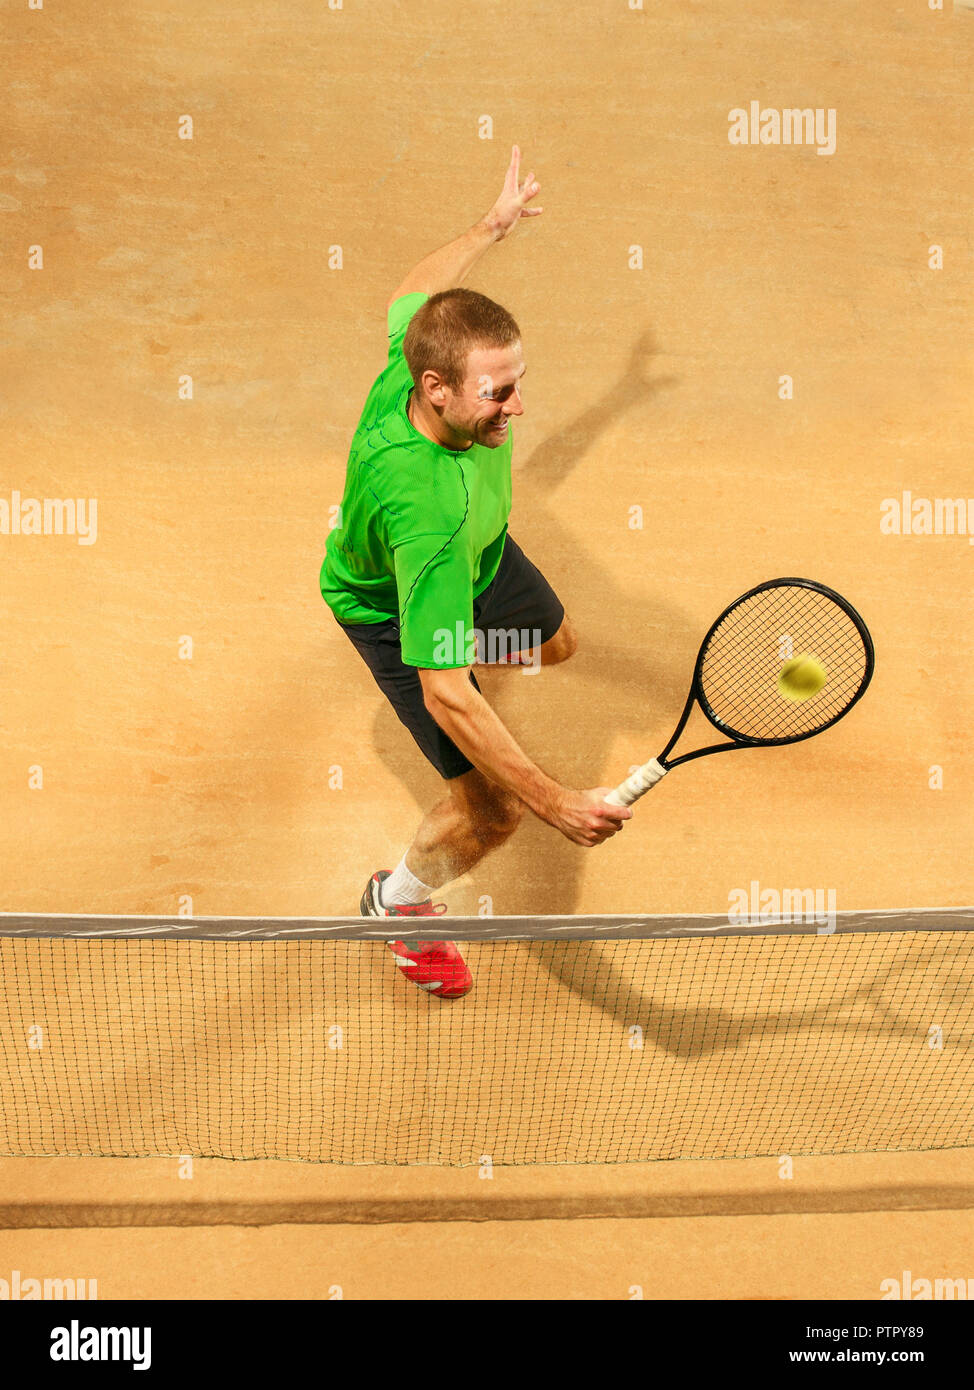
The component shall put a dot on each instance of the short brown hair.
(444, 330)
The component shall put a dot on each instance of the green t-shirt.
(422, 527)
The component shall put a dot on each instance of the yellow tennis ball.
(801, 677)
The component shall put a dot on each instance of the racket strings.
(746, 651)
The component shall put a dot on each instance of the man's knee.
(493, 812)
(498, 819)
(561, 646)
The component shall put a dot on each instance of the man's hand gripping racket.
(758, 677)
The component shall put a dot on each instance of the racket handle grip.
(638, 784)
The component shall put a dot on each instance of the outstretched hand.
(511, 206)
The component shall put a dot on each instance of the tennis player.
(422, 562)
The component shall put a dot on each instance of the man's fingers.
(530, 188)
(607, 828)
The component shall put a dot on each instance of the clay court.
(740, 358)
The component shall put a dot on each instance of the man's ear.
(434, 387)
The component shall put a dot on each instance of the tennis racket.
(735, 681)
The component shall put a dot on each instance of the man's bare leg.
(477, 815)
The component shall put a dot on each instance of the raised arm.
(447, 267)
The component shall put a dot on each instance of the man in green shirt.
(423, 578)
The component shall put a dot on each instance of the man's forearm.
(450, 264)
(479, 733)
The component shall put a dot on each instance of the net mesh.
(564, 1052)
(750, 645)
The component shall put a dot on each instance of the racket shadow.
(693, 1031)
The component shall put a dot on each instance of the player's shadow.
(631, 674)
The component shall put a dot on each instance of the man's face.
(490, 395)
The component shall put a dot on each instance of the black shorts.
(518, 597)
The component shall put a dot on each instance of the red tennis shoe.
(436, 966)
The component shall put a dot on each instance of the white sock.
(403, 887)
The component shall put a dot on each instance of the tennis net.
(584, 1039)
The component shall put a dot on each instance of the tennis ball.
(801, 677)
